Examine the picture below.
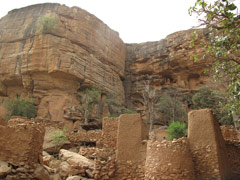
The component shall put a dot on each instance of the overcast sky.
(135, 20)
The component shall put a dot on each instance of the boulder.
(54, 164)
(41, 173)
(47, 158)
(64, 169)
(4, 169)
(75, 159)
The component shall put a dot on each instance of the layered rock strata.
(78, 50)
(168, 65)
(52, 66)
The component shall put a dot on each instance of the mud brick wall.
(21, 142)
(88, 152)
(131, 133)
(131, 149)
(233, 152)
(207, 146)
(232, 142)
(169, 160)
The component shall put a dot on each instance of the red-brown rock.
(80, 50)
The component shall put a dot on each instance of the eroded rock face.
(168, 66)
(79, 50)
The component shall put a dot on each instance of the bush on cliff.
(20, 107)
(46, 24)
(176, 130)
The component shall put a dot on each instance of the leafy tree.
(222, 21)
(89, 98)
(20, 107)
(215, 100)
(176, 130)
(46, 24)
(171, 108)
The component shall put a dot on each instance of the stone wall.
(207, 146)
(229, 133)
(121, 151)
(133, 170)
(109, 133)
(169, 160)
(84, 136)
(105, 163)
(21, 142)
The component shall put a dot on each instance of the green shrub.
(59, 137)
(46, 24)
(176, 130)
(20, 107)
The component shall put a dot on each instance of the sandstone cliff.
(52, 67)
(80, 51)
(168, 66)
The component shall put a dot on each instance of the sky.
(136, 20)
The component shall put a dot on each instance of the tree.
(222, 21)
(20, 107)
(171, 108)
(149, 100)
(46, 24)
(215, 100)
(89, 98)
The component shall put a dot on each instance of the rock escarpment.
(79, 51)
(167, 65)
(51, 67)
